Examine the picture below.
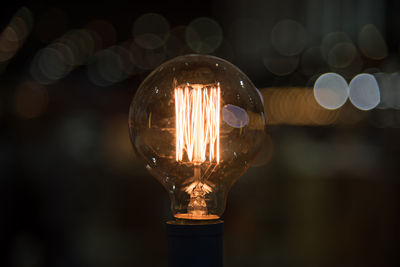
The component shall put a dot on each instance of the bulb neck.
(195, 244)
(197, 204)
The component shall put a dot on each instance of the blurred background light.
(20, 27)
(278, 64)
(146, 59)
(331, 90)
(66, 54)
(150, 31)
(9, 43)
(288, 37)
(296, 106)
(53, 63)
(36, 72)
(341, 55)
(110, 66)
(204, 35)
(82, 44)
(15, 33)
(26, 15)
(389, 84)
(125, 55)
(371, 43)
(105, 68)
(364, 91)
(351, 70)
(331, 40)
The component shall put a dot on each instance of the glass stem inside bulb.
(197, 204)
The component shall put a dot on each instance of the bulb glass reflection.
(198, 123)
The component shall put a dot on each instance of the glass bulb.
(198, 123)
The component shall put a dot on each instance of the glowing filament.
(197, 114)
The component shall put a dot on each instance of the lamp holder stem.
(195, 244)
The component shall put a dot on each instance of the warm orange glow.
(188, 216)
(197, 115)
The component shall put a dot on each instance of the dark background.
(323, 192)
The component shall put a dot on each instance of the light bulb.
(198, 123)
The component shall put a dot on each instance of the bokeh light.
(30, 100)
(295, 106)
(105, 68)
(364, 91)
(278, 64)
(150, 31)
(52, 63)
(111, 65)
(37, 72)
(146, 59)
(59, 58)
(82, 44)
(9, 43)
(331, 90)
(341, 55)
(348, 115)
(26, 15)
(15, 33)
(20, 27)
(331, 40)
(204, 35)
(288, 37)
(351, 70)
(371, 43)
(388, 87)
